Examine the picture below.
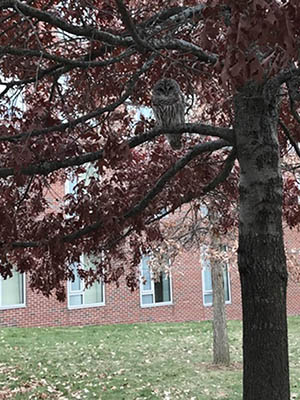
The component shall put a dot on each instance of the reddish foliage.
(74, 74)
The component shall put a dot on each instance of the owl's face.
(166, 88)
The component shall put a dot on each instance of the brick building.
(184, 296)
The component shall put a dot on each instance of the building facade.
(185, 295)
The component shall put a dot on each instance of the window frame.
(12, 306)
(81, 292)
(151, 291)
(69, 186)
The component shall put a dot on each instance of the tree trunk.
(261, 256)
(221, 346)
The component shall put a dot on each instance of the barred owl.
(168, 107)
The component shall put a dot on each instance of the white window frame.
(69, 185)
(151, 291)
(20, 305)
(210, 292)
(81, 292)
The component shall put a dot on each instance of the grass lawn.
(142, 361)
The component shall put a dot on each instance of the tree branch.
(175, 15)
(204, 129)
(122, 40)
(88, 32)
(222, 176)
(157, 44)
(65, 66)
(129, 24)
(290, 137)
(180, 164)
(201, 129)
(283, 77)
(138, 208)
(46, 167)
(71, 124)
(184, 46)
(62, 60)
(41, 73)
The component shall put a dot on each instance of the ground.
(130, 362)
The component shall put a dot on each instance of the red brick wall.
(122, 306)
(292, 241)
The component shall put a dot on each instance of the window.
(207, 285)
(70, 185)
(79, 295)
(89, 173)
(12, 291)
(154, 293)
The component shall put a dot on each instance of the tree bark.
(221, 347)
(261, 255)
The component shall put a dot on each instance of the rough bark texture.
(262, 263)
(221, 346)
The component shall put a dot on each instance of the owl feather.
(168, 107)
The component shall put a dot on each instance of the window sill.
(85, 306)
(11, 307)
(210, 304)
(169, 303)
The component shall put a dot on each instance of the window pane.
(147, 299)
(208, 285)
(13, 290)
(90, 172)
(162, 289)
(77, 283)
(208, 299)
(207, 279)
(71, 183)
(76, 300)
(166, 287)
(146, 274)
(94, 294)
(226, 285)
(78, 294)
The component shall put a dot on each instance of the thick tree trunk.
(262, 263)
(221, 346)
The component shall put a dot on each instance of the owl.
(168, 107)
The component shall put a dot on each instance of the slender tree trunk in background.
(220, 337)
(221, 347)
(261, 256)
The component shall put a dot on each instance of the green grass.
(142, 361)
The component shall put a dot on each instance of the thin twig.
(71, 124)
(290, 137)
